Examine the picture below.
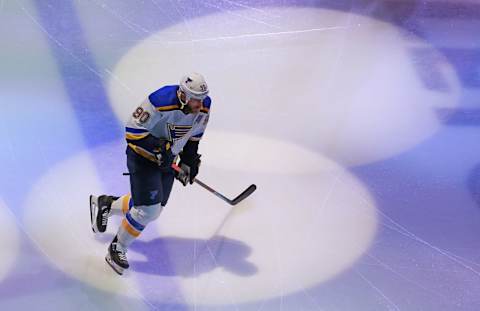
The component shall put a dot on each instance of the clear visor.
(199, 97)
(189, 94)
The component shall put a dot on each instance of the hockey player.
(170, 122)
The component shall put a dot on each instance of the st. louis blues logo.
(177, 131)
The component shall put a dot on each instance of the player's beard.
(187, 109)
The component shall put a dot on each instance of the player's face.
(195, 105)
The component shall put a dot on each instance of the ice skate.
(116, 257)
(99, 211)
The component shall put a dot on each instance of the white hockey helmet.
(194, 86)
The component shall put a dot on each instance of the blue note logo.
(153, 194)
(177, 131)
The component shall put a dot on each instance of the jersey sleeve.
(145, 116)
(198, 134)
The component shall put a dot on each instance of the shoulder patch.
(206, 105)
(165, 99)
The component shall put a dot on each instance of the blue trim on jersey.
(135, 131)
(130, 203)
(198, 135)
(207, 102)
(165, 96)
(133, 222)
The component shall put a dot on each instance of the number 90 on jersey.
(141, 115)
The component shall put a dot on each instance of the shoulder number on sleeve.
(141, 115)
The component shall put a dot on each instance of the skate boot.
(116, 257)
(99, 211)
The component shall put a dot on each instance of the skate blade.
(114, 266)
(93, 213)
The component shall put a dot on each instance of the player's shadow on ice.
(174, 256)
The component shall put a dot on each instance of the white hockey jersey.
(160, 115)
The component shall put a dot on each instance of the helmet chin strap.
(183, 105)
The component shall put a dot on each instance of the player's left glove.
(189, 169)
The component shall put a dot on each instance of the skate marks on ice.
(9, 239)
(57, 219)
(304, 211)
(201, 251)
(348, 101)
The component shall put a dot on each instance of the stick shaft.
(235, 201)
(221, 196)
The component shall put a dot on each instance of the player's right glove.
(189, 171)
(183, 175)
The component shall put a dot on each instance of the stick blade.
(242, 196)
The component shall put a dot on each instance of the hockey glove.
(188, 173)
(164, 155)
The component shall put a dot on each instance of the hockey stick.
(239, 198)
